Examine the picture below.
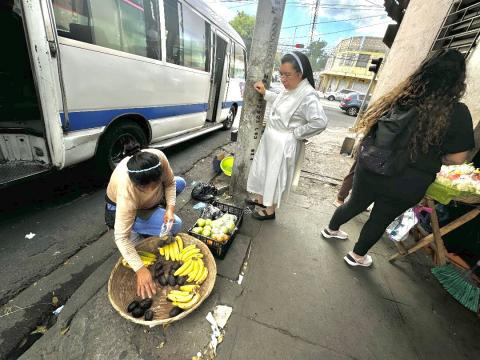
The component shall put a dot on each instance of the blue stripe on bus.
(228, 104)
(81, 120)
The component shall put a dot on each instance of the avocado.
(134, 304)
(146, 304)
(175, 311)
(138, 312)
(148, 315)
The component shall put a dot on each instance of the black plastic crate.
(219, 250)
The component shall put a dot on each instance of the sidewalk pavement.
(298, 300)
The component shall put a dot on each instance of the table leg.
(440, 255)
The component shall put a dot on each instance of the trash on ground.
(58, 310)
(199, 206)
(204, 192)
(30, 236)
(222, 313)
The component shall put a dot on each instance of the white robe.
(295, 115)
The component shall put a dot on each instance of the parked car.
(351, 104)
(338, 95)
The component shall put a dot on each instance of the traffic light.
(299, 46)
(375, 65)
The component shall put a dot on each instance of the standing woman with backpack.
(409, 133)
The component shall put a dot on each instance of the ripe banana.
(167, 252)
(161, 250)
(175, 252)
(189, 247)
(180, 298)
(189, 253)
(200, 271)
(184, 269)
(188, 305)
(194, 272)
(194, 256)
(180, 243)
(189, 288)
(203, 277)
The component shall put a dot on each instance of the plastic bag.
(211, 212)
(166, 229)
(399, 229)
(204, 192)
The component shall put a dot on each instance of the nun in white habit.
(296, 114)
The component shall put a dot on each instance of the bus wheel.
(227, 124)
(111, 149)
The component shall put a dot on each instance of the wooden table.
(435, 238)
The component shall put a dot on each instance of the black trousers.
(391, 197)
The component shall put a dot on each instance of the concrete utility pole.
(262, 56)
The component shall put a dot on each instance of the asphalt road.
(64, 210)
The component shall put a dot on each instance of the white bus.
(81, 78)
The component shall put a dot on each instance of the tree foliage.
(317, 54)
(244, 24)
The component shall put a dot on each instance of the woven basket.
(121, 285)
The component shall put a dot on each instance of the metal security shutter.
(461, 28)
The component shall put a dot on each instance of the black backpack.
(385, 149)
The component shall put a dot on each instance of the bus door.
(219, 55)
(25, 146)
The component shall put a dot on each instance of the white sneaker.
(331, 234)
(350, 260)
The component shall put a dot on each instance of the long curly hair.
(433, 89)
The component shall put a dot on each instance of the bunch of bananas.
(172, 251)
(184, 298)
(148, 259)
(194, 268)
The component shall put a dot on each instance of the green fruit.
(206, 232)
(231, 226)
(201, 222)
(197, 230)
(224, 229)
(208, 222)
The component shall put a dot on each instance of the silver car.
(338, 95)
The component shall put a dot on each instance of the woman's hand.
(169, 215)
(145, 285)
(260, 87)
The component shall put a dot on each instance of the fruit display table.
(460, 183)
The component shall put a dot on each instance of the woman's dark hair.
(433, 89)
(137, 165)
(307, 68)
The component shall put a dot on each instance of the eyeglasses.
(286, 75)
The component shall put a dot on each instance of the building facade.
(450, 24)
(347, 66)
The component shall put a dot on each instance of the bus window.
(239, 63)
(194, 41)
(173, 11)
(106, 24)
(140, 28)
(73, 19)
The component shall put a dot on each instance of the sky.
(336, 20)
